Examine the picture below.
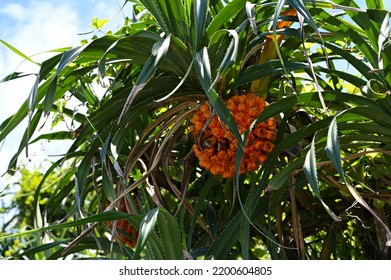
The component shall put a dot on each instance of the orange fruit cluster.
(215, 146)
(125, 231)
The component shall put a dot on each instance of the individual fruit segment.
(215, 146)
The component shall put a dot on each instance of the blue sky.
(33, 26)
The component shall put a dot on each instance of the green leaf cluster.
(324, 191)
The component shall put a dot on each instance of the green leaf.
(66, 58)
(332, 147)
(341, 26)
(23, 111)
(229, 11)
(250, 10)
(92, 243)
(225, 240)
(178, 59)
(203, 71)
(299, 6)
(200, 204)
(378, 4)
(231, 52)
(158, 53)
(312, 177)
(245, 236)
(374, 89)
(360, 200)
(29, 253)
(170, 16)
(159, 11)
(32, 99)
(101, 217)
(18, 52)
(146, 227)
(274, 67)
(376, 115)
(107, 183)
(165, 245)
(310, 168)
(170, 236)
(178, 23)
(25, 139)
(384, 35)
(15, 75)
(200, 16)
(283, 176)
(58, 135)
(102, 62)
(98, 23)
(154, 247)
(83, 172)
(107, 180)
(269, 68)
(334, 153)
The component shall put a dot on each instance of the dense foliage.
(323, 192)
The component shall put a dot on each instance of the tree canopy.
(227, 130)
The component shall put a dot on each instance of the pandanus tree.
(227, 129)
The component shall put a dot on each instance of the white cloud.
(37, 26)
(34, 27)
(15, 11)
(41, 25)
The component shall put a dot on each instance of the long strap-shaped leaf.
(101, 217)
(203, 70)
(200, 15)
(15, 50)
(231, 52)
(158, 53)
(334, 153)
(168, 244)
(312, 177)
(170, 15)
(270, 50)
(66, 58)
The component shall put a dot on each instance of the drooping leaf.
(101, 67)
(16, 51)
(310, 171)
(384, 35)
(146, 227)
(224, 241)
(158, 53)
(166, 243)
(101, 217)
(360, 200)
(204, 74)
(66, 58)
(334, 153)
(170, 236)
(59, 135)
(250, 10)
(199, 206)
(15, 75)
(310, 168)
(231, 52)
(332, 147)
